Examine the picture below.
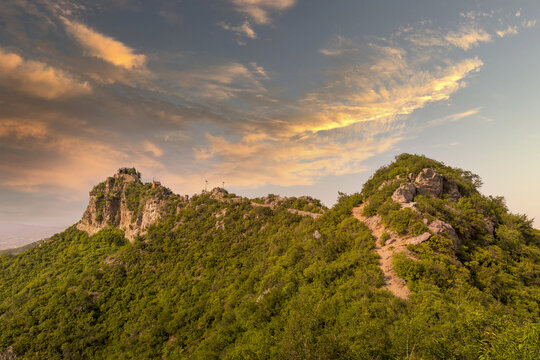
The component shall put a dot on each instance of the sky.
(292, 97)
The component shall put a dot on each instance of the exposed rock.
(429, 182)
(404, 193)
(490, 227)
(316, 234)
(108, 205)
(419, 239)
(451, 189)
(439, 227)
(385, 183)
(304, 213)
(7, 354)
(218, 193)
(372, 221)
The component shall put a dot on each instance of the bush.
(384, 237)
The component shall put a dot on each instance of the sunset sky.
(292, 97)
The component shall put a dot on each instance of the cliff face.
(123, 201)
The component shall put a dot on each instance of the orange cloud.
(21, 128)
(367, 94)
(467, 37)
(37, 78)
(104, 47)
(259, 9)
(244, 30)
(153, 149)
(253, 163)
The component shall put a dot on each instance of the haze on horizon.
(293, 97)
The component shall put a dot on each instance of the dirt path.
(396, 243)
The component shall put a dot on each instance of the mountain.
(13, 235)
(417, 265)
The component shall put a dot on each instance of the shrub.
(384, 238)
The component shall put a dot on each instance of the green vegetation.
(263, 286)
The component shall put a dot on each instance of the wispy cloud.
(153, 149)
(104, 47)
(37, 78)
(510, 30)
(242, 31)
(260, 10)
(467, 37)
(221, 81)
(259, 160)
(389, 85)
(454, 117)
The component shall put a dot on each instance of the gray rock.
(419, 239)
(439, 227)
(404, 193)
(429, 182)
(316, 234)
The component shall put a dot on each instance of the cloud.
(529, 23)
(104, 47)
(256, 161)
(153, 149)
(467, 37)
(339, 46)
(221, 81)
(242, 31)
(259, 10)
(38, 79)
(454, 117)
(22, 128)
(357, 113)
(388, 86)
(510, 30)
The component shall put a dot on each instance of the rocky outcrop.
(404, 193)
(123, 201)
(429, 182)
(438, 227)
(419, 239)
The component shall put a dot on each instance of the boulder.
(429, 182)
(439, 227)
(419, 239)
(404, 193)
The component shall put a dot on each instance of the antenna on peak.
(205, 185)
(223, 185)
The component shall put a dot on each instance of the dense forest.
(223, 279)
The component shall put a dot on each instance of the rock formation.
(123, 201)
(429, 182)
(419, 239)
(438, 227)
(404, 193)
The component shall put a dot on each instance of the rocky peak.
(123, 201)
(427, 182)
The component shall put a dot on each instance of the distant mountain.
(418, 265)
(14, 235)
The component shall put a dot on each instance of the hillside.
(417, 265)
